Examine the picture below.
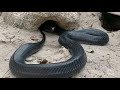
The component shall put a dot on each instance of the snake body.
(70, 40)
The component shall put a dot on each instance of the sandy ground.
(104, 62)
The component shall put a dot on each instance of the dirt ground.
(104, 62)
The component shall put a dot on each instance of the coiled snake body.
(70, 40)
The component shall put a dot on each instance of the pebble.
(34, 38)
(29, 59)
(90, 51)
(44, 61)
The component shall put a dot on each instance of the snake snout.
(48, 26)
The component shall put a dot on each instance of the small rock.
(39, 60)
(100, 76)
(90, 51)
(63, 50)
(6, 59)
(44, 61)
(29, 59)
(3, 42)
(12, 37)
(93, 14)
(102, 60)
(34, 38)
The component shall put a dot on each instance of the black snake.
(70, 40)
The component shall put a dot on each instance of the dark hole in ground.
(48, 26)
(110, 22)
(52, 27)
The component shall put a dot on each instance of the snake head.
(52, 27)
(49, 26)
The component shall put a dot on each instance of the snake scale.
(70, 40)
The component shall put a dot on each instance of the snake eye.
(53, 29)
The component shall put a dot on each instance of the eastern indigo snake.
(70, 40)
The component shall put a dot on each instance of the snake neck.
(44, 37)
(58, 30)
